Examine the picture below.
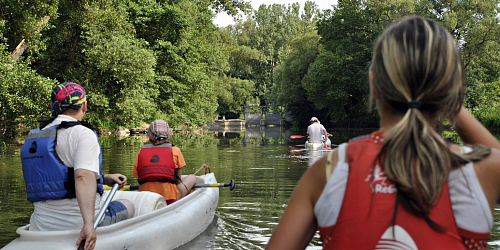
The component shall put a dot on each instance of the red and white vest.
(156, 163)
(365, 217)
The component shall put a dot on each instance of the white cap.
(314, 119)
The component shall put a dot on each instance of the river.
(264, 162)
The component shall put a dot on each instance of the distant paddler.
(317, 132)
(318, 136)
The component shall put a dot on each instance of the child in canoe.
(158, 165)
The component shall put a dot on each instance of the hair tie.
(414, 104)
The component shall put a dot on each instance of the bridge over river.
(255, 118)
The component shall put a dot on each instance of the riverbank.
(122, 132)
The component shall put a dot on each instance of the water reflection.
(265, 163)
(260, 135)
(300, 153)
(260, 132)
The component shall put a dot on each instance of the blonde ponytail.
(417, 72)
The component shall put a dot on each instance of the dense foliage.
(145, 59)
(24, 94)
(336, 83)
(138, 60)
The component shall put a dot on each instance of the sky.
(223, 19)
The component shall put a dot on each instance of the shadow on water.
(206, 239)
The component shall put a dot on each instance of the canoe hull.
(165, 228)
(319, 145)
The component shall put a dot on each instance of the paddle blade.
(231, 185)
(296, 136)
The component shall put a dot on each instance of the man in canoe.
(317, 132)
(158, 165)
(62, 168)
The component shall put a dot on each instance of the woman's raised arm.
(472, 131)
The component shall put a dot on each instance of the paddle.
(231, 185)
(301, 136)
(103, 210)
(136, 187)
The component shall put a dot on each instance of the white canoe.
(155, 225)
(319, 144)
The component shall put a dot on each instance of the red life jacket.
(365, 218)
(156, 163)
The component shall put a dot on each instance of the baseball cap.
(314, 119)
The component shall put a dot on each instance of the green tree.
(24, 95)
(337, 80)
(232, 94)
(231, 7)
(288, 90)
(188, 57)
(94, 44)
(26, 20)
(475, 25)
(269, 30)
(488, 106)
(234, 88)
(137, 59)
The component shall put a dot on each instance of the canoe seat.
(144, 201)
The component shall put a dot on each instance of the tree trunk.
(21, 47)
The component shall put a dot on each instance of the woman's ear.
(373, 90)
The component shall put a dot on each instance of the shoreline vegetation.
(146, 60)
(120, 132)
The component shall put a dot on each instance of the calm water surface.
(265, 164)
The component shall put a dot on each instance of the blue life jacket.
(45, 175)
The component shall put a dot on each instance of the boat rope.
(187, 189)
(206, 168)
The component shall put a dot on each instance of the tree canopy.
(336, 83)
(138, 60)
(141, 60)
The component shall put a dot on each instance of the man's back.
(77, 147)
(315, 132)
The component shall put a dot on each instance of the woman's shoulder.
(490, 163)
(317, 175)
(488, 173)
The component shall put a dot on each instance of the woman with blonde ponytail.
(403, 186)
